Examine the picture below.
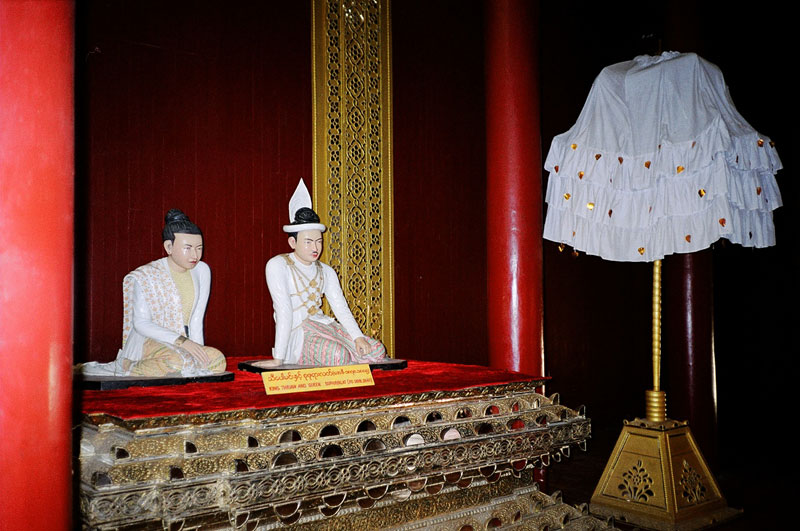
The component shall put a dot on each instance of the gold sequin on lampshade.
(567, 196)
(641, 250)
(580, 175)
(680, 169)
(597, 156)
(689, 238)
(575, 253)
(760, 142)
(722, 221)
(556, 168)
(561, 248)
(590, 206)
(758, 190)
(647, 164)
(574, 146)
(609, 212)
(694, 143)
(701, 192)
(619, 159)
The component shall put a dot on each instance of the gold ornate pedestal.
(657, 478)
(433, 460)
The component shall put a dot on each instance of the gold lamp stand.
(656, 477)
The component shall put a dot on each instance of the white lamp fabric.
(660, 162)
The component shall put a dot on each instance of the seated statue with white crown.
(164, 303)
(297, 281)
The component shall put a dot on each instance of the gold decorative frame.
(352, 190)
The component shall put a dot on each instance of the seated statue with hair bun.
(164, 303)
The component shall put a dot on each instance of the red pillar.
(514, 189)
(36, 255)
(688, 301)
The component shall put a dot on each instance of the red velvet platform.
(247, 391)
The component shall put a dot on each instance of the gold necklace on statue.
(308, 290)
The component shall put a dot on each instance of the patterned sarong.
(159, 359)
(329, 345)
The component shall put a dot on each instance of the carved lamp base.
(657, 478)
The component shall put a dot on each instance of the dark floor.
(757, 488)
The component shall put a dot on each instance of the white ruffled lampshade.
(660, 162)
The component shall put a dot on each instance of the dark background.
(206, 106)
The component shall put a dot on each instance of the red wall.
(200, 106)
(439, 182)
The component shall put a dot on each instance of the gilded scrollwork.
(352, 154)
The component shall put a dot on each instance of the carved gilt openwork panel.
(352, 154)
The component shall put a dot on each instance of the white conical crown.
(301, 198)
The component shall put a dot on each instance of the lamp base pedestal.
(657, 478)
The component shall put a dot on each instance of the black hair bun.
(305, 215)
(175, 216)
(177, 222)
